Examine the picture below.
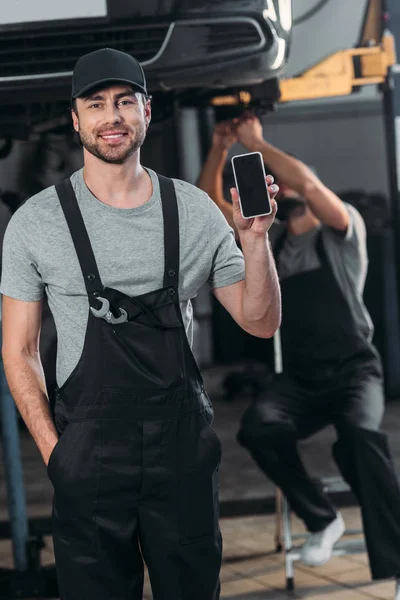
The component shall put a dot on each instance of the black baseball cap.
(106, 66)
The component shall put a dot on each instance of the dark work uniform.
(136, 466)
(331, 375)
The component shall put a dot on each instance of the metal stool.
(292, 553)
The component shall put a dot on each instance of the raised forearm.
(211, 181)
(261, 304)
(286, 168)
(27, 385)
(324, 203)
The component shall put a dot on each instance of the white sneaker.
(319, 546)
(397, 589)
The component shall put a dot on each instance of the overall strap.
(80, 237)
(171, 231)
(320, 249)
(278, 246)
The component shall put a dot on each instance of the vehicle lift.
(343, 73)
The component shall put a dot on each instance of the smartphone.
(249, 173)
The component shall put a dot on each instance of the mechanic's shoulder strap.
(320, 247)
(280, 242)
(79, 236)
(171, 231)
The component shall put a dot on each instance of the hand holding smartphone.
(250, 178)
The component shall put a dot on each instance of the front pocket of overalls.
(74, 470)
(61, 425)
(49, 467)
(200, 457)
(144, 358)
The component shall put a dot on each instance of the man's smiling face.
(112, 122)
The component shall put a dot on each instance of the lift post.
(391, 103)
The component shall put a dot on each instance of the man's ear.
(147, 111)
(75, 120)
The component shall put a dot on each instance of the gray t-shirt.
(5, 216)
(347, 255)
(128, 244)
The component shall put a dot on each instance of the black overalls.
(135, 469)
(332, 375)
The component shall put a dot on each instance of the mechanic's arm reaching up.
(211, 176)
(324, 203)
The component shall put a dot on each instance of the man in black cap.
(120, 252)
(331, 370)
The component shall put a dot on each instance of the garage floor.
(251, 568)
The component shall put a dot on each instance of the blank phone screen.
(250, 179)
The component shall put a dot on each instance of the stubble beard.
(110, 155)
